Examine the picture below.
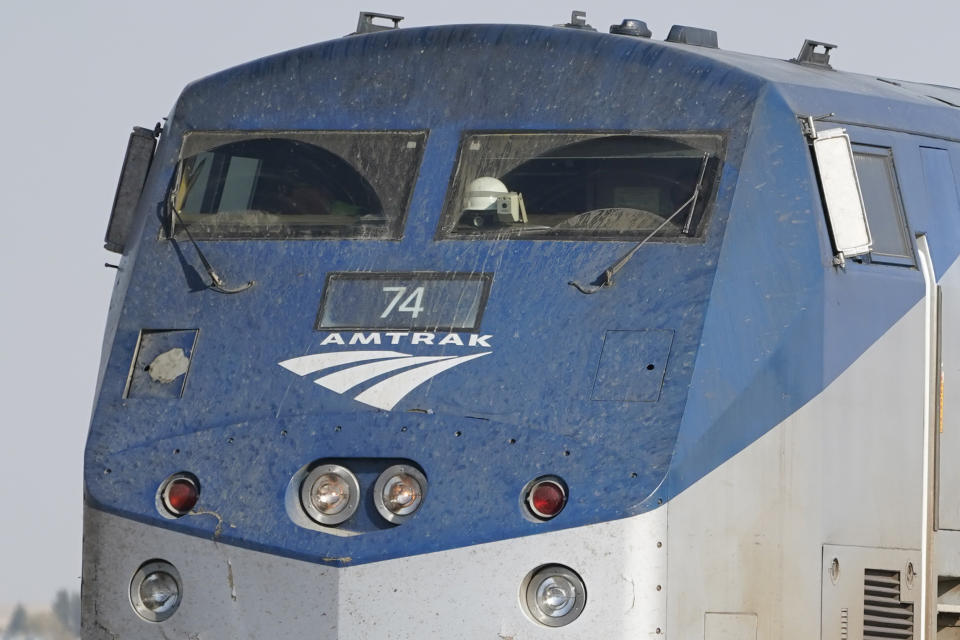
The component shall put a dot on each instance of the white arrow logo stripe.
(385, 395)
(320, 361)
(343, 381)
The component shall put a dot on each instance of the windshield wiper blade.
(523, 230)
(605, 279)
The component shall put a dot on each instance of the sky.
(77, 76)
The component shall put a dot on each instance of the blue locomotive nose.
(412, 370)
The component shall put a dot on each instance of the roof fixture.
(694, 36)
(631, 27)
(366, 24)
(578, 20)
(808, 54)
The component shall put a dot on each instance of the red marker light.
(546, 498)
(180, 494)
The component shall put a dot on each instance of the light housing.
(330, 494)
(544, 497)
(399, 492)
(554, 595)
(156, 590)
(178, 495)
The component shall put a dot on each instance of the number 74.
(412, 304)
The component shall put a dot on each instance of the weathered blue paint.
(754, 306)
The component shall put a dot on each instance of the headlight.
(155, 591)
(399, 492)
(330, 494)
(554, 595)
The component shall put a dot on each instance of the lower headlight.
(330, 494)
(156, 591)
(399, 492)
(554, 595)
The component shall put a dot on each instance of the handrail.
(928, 586)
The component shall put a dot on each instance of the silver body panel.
(231, 593)
(948, 506)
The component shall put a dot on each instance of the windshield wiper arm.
(216, 282)
(605, 279)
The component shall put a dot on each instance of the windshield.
(296, 184)
(572, 185)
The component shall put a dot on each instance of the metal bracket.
(366, 24)
(808, 54)
(578, 20)
(807, 124)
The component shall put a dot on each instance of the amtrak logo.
(368, 365)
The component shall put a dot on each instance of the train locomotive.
(506, 331)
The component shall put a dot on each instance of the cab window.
(592, 185)
(295, 184)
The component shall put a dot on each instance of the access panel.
(944, 207)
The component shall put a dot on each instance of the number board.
(411, 301)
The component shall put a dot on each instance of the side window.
(881, 197)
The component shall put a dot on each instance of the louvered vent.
(884, 616)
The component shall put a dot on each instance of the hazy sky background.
(78, 75)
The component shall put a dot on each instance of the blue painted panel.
(942, 202)
(762, 351)
(632, 365)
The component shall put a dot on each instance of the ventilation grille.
(884, 616)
